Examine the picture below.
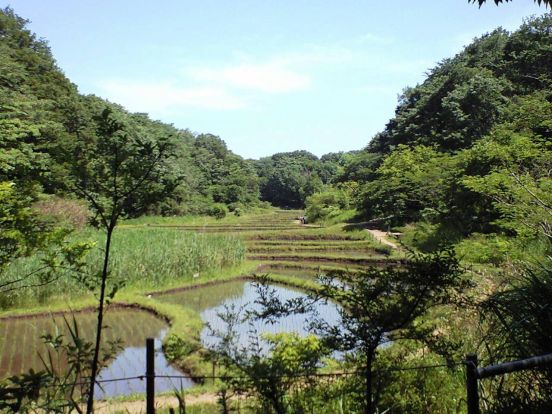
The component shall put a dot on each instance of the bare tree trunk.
(368, 405)
(94, 369)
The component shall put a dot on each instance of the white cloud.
(163, 97)
(271, 77)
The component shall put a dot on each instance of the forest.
(461, 174)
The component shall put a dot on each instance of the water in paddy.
(212, 300)
(21, 346)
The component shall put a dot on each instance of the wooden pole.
(150, 376)
(471, 384)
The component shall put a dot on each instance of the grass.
(260, 215)
(142, 258)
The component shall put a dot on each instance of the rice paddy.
(155, 254)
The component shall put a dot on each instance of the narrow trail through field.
(381, 236)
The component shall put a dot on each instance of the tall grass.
(145, 258)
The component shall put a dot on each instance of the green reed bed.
(143, 258)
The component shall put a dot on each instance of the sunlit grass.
(143, 258)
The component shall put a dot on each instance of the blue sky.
(265, 76)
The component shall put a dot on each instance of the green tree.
(411, 183)
(377, 306)
(519, 180)
(112, 172)
(273, 369)
(288, 178)
(327, 204)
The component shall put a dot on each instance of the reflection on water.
(21, 343)
(205, 297)
(131, 363)
(21, 346)
(212, 300)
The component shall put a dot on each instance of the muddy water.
(210, 301)
(21, 346)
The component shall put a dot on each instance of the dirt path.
(381, 236)
(139, 407)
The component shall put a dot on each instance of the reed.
(141, 257)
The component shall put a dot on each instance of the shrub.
(219, 211)
(327, 204)
(484, 248)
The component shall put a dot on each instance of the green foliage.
(287, 179)
(219, 211)
(275, 372)
(463, 97)
(44, 123)
(412, 184)
(23, 234)
(377, 306)
(225, 177)
(468, 150)
(327, 205)
(485, 249)
(497, 2)
(519, 317)
(418, 391)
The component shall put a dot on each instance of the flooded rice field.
(212, 300)
(22, 345)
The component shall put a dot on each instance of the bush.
(327, 204)
(219, 211)
(484, 248)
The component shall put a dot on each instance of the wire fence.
(473, 374)
(228, 377)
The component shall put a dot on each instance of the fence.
(474, 374)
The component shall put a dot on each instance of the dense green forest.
(45, 121)
(463, 167)
(468, 151)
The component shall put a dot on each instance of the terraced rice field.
(22, 346)
(276, 243)
(283, 246)
(310, 250)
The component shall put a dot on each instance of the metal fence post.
(150, 376)
(471, 384)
